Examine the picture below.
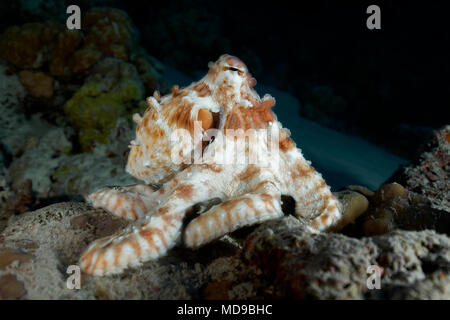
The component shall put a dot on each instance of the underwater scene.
(238, 150)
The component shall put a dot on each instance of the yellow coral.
(95, 112)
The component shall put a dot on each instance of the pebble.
(11, 288)
(388, 191)
(353, 205)
(7, 256)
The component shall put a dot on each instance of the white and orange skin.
(223, 99)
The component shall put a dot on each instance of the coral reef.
(106, 32)
(86, 172)
(111, 91)
(279, 259)
(38, 84)
(12, 123)
(64, 93)
(29, 46)
(54, 172)
(110, 31)
(39, 160)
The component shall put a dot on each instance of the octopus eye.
(239, 71)
(206, 118)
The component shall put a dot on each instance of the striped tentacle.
(259, 205)
(127, 202)
(148, 238)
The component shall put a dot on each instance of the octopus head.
(230, 79)
(215, 101)
(150, 152)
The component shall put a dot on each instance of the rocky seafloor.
(404, 231)
(65, 123)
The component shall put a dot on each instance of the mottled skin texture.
(250, 192)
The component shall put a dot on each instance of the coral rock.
(26, 46)
(83, 59)
(51, 48)
(7, 256)
(111, 91)
(38, 84)
(111, 31)
(299, 264)
(11, 288)
(13, 124)
(105, 30)
(428, 174)
(62, 48)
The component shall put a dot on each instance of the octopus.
(179, 173)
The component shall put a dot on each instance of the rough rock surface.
(278, 259)
(37, 247)
(428, 175)
(12, 123)
(393, 206)
(295, 263)
(111, 91)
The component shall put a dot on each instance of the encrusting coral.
(38, 84)
(49, 46)
(109, 31)
(28, 46)
(51, 60)
(112, 91)
(105, 32)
